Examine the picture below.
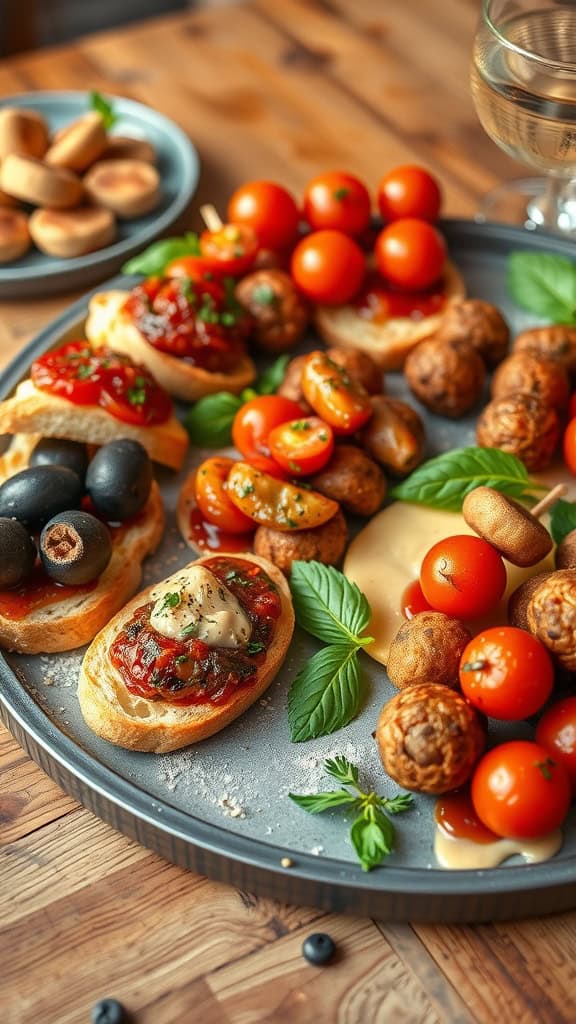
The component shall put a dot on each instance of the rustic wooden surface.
(280, 90)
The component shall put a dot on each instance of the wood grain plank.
(28, 798)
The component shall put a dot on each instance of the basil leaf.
(562, 519)
(543, 284)
(444, 482)
(372, 836)
(209, 420)
(342, 769)
(270, 379)
(326, 693)
(154, 260)
(102, 106)
(315, 803)
(328, 605)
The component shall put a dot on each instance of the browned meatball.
(427, 649)
(551, 615)
(565, 557)
(557, 342)
(278, 310)
(394, 435)
(520, 598)
(325, 544)
(446, 376)
(522, 425)
(360, 367)
(429, 738)
(533, 375)
(480, 324)
(291, 386)
(352, 478)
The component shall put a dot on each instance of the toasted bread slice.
(107, 324)
(75, 620)
(117, 715)
(390, 342)
(31, 411)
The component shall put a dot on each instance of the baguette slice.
(390, 342)
(129, 721)
(31, 411)
(108, 325)
(73, 622)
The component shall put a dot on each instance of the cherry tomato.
(410, 254)
(275, 503)
(519, 791)
(409, 192)
(230, 250)
(333, 395)
(337, 200)
(73, 371)
(302, 446)
(506, 673)
(269, 209)
(413, 601)
(569, 445)
(212, 499)
(130, 394)
(254, 421)
(328, 267)
(557, 733)
(463, 576)
(196, 268)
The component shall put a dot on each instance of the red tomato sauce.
(456, 816)
(209, 537)
(188, 671)
(38, 592)
(379, 301)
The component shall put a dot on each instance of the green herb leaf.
(315, 803)
(444, 482)
(209, 421)
(103, 107)
(154, 260)
(397, 804)
(170, 601)
(264, 295)
(372, 837)
(270, 380)
(328, 605)
(562, 519)
(544, 284)
(255, 647)
(342, 769)
(136, 396)
(326, 693)
(191, 630)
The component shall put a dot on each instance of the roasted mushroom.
(394, 435)
(278, 311)
(520, 598)
(480, 324)
(325, 544)
(352, 478)
(565, 557)
(508, 526)
(427, 649)
(358, 365)
(522, 425)
(533, 375)
(446, 376)
(551, 615)
(429, 738)
(557, 342)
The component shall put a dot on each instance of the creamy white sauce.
(464, 854)
(193, 603)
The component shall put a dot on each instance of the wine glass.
(523, 81)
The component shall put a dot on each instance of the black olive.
(119, 479)
(318, 948)
(108, 1011)
(53, 451)
(36, 494)
(17, 553)
(75, 547)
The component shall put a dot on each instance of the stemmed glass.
(524, 89)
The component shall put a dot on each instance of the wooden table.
(280, 90)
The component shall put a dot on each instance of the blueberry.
(318, 949)
(75, 547)
(109, 1011)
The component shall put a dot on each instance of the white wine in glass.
(524, 89)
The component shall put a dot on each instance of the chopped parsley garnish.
(136, 395)
(264, 295)
(84, 371)
(255, 647)
(300, 425)
(234, 577)
(180, 659)
(190, 630)
(246, 490)
(171, 600)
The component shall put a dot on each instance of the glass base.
(532, 203)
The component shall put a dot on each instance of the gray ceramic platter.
(221, 808)
(37, 274)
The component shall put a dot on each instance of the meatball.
(394, 435)
(480, 324)
(557, 342)
(522, 425)
(429, 738)
(360, 367)
(278, 310)
(352, 478)
(427, 649)
(291, 386)
(565, 557)
(551, 615)
(446, 376)
(520, 598)
(524, 371)
(325, 544)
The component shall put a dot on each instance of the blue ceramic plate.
(179, 167)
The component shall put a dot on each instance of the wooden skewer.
(211, 217)
(548, 500)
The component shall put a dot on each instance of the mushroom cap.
(551, 615)
(565, 557)
(508, 526)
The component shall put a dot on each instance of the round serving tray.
(221, 808)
